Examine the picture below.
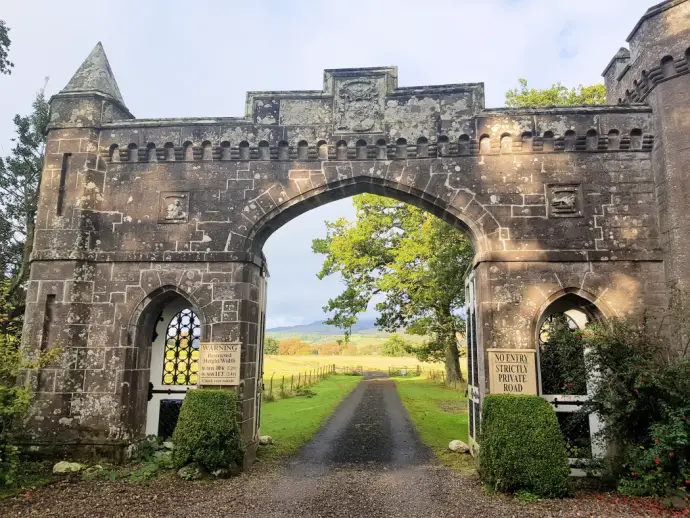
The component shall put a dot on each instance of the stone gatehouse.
(150, 231)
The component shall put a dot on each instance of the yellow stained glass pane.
(181, 349)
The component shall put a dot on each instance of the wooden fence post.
(270, 386)
(292, 382)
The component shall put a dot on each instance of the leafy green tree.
(14, 397)
(5, 64)
(395, 345)
(270, 345)
(557, 95)
(20, 176)
(412, 259)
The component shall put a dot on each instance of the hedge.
(207, 431)
(521, 446)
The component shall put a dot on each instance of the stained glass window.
(181, 356)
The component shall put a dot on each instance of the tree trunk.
(16, 292)
(452, 360)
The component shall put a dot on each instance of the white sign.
(219, 363)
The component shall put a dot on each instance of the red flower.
(570, 385)
(636, 391)
(656, 460)
(687, 482)
(644, 380)
(671, 454)
(656, 441)
(633, 473)
(683, 418)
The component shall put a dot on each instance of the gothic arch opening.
(165, 331)
(337, 190)
(563, 372)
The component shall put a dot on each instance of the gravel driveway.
(366, 461)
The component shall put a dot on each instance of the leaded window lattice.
(181, 355)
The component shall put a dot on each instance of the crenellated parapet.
(659, 51)
(615, 140)
(591, 129)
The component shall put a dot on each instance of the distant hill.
(364, 332)
(319, 327)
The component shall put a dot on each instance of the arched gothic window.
(563, 370)
(181, 352)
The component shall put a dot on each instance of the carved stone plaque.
(219, 363)
(173, 207)
(358, 106)
(512, 371)
(564, 201)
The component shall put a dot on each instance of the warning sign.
(219, 363)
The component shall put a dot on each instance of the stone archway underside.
(555, 199)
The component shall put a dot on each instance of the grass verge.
(293, 421)
(439, 414)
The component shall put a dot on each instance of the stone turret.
(656, 71)
(91, 97)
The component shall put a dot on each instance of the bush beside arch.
(522, 447)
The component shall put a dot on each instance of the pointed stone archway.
(556, 199)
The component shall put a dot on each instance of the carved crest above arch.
(358, 106)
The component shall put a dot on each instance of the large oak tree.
(411, 261)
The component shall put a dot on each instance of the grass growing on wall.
(294, 421)
(439, 414)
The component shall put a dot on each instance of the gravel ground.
(367, 461)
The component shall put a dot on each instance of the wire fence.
(282, 386)
(357, 370)
(440, 376)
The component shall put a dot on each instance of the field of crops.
(280, 365)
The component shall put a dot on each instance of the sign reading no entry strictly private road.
(219, 363)
(512, 371)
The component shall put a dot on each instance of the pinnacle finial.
(95, 75)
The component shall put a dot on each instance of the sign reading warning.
(512, 371)
(219, 363)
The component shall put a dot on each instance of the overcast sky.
(179, 59)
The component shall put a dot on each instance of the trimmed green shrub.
(207, 431)
(521, 446)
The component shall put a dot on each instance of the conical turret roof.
(95, 75)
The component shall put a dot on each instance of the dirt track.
(366, 461)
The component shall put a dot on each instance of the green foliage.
(14, 397)
(557, 95)
(562, 359)
(270, 345)
(207, 431)
(395, 346)
(521, 447)
(5, 64)
(412, 259)
(20, 176)
(641, 391)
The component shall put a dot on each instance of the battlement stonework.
(578, 201)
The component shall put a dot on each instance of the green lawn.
(293, 421)
(439, 414)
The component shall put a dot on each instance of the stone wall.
(133, 212)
